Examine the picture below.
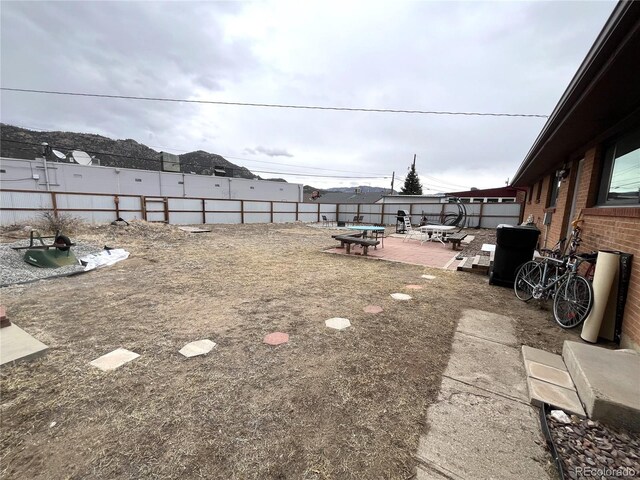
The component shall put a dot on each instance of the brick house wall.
(604, 228)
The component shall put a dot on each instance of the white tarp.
(104, 258)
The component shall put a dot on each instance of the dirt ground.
(328, 404)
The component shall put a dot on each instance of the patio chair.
(409, 231)
(357, 219)
(326, 222)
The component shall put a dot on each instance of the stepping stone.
(276, 338)
(372, 309)
(414, 287)
(199, 347)
(400, 296)
(115, 359)
(338, 323)
(429, 277)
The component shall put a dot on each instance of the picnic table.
(369, 231)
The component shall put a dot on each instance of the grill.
(400, 220)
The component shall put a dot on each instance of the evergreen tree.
(412, 185)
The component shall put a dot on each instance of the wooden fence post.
(54, 204)
(410, 212)
(271, 212)
(297, 205)
(318, 213)
(241, 211)
(116, 202)
(480, 215)
(337, 212)
(204, 211)
(143, 207)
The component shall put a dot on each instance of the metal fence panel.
(185, 218)
(308, 217)
(39, 200)
(284, 207)
(223, 206)
(309, 208)
(284, 217)
(185, 204)
(227, 218)
(255, 207)
(257, 217)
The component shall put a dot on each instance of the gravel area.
(591, 449)
(15, 270)
(482, 235)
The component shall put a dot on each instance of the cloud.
(273, 152)
(515, 57)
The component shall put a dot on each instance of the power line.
(188, 164)
(274, 105)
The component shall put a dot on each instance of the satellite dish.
(81, 157)
(59, 154)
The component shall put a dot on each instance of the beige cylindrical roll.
(606, 272)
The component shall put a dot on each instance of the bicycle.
(558, 279)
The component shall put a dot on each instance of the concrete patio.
(428, 254)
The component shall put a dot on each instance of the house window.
(554, 183)
(529, 194)
(620, 181)
(508, 200)
(539, 191)
(492, 200)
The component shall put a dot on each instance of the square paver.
(549, 374)
(115, 359)
(16, 345)
(540, 356)
(542, 392)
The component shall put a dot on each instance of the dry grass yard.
(327, 405)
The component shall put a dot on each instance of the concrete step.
(480, 264)
(466, 265)
(607, 383)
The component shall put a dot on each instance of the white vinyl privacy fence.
(21, 206)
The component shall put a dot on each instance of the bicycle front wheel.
(528, 277)
(572, 302)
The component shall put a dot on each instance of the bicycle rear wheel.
(528, 277)
(572, 302)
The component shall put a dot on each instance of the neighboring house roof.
(487, 192)
(345, 197)
(602, 99)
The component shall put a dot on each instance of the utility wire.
(274, 105)
(189, 164)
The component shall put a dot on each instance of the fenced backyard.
(328, 404)
(19, 206)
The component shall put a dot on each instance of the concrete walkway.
(482, 425)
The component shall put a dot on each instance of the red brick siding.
(603, 229)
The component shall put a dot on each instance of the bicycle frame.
(546, 290)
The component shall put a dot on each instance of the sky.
(489, 57)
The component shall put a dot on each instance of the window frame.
(608, 161)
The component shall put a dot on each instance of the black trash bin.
(514, 247)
